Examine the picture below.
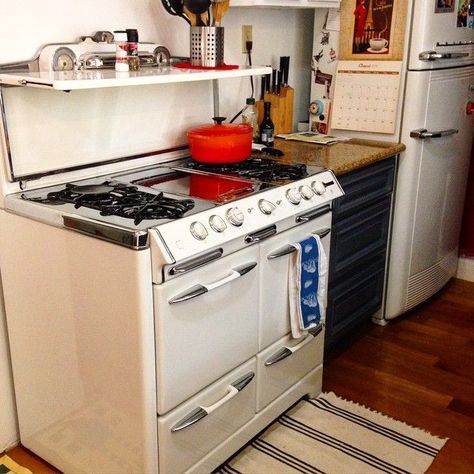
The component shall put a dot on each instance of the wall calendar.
(366, 96)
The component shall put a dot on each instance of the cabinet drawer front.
(363, 186)
(277, 373)
(179, 450)
(357, 297)
(359, 236)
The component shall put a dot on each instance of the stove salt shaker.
(121, 51)
(133, 58)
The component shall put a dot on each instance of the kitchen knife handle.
(286, 70)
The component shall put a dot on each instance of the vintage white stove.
(147, 299)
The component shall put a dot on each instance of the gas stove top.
(192, 207)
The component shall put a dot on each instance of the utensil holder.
(207, 46)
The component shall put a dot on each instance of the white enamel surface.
(9, 431)
(273, 274)
(82, 347)
(310, 385)
(431, 178)
(181, 449)
(275, 379)
(182, 245)
(212, 333)
(430, 28)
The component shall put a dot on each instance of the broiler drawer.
(188, 433)
(282, 364)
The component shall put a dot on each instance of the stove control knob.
(293, 195)
(235, 216)
(265, 206)
(198, 230)
(306, 191)
(217, 223)
(318, 187)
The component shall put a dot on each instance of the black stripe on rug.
(227, 469)
(327, 406)
(339, 445)
(283, 457)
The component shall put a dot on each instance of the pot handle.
(218, 120)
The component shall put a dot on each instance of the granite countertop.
(342, 157)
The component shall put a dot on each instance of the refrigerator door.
(435, 29)
(431, 186)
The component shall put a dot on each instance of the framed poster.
(372, 29)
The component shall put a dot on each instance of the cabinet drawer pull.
(201, 289)
(290, 249)
(422, 133)
(285, 351)
(201, 411)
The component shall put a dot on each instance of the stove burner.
(119, 199)
(257, 168)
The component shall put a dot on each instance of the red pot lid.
(221, 130)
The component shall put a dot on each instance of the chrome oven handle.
(313, 214)
(285, 351)
(201, 289)
(260, 235)
(201, 411)
(422, 133)
(290, 249)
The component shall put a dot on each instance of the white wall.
(25, 25)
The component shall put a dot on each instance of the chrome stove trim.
(136, 240)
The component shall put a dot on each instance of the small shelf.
(286, 3)
(94, 79)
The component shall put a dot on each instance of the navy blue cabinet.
(360, 229)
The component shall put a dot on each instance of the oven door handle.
(201, 411)
(285, 351)
(290, 248)
(201, 289)
(313, 214)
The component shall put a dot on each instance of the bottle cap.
(120, 36)
(250, 101)
(132, 35)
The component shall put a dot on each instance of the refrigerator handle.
(433, 55)
(423, 133)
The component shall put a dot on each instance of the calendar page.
(366, 96)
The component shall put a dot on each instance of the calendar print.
(366, 96)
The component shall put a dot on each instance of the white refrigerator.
(436, 123)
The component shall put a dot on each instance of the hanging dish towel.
(307, 285)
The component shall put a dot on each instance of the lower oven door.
(206, 324)
(275, 261)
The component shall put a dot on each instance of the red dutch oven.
(220, 142)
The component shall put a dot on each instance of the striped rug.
(332, 435)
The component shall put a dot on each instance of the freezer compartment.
(285, 362)
(190, 431)
(206, 324)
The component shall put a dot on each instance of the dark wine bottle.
(266, 126)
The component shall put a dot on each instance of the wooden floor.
(419, 369)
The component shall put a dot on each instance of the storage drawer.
(363, 186)
(359, 236)
(285, 362)
(355, 299)
(184, 438)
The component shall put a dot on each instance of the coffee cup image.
(377, 44)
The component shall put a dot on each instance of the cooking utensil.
(217, 188)
(198, 7)
(175, 8)
(219, 9)
(220, 143)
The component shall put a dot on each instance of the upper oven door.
(275, 261)
(206, 324)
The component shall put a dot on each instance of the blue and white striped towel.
(307, 285)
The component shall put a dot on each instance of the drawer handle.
(201, 411)
(290, 248)
(285, 352)
(422, 133)
(313, 214)
(201, 289)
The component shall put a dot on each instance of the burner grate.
(119, 199)
(256, 168)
